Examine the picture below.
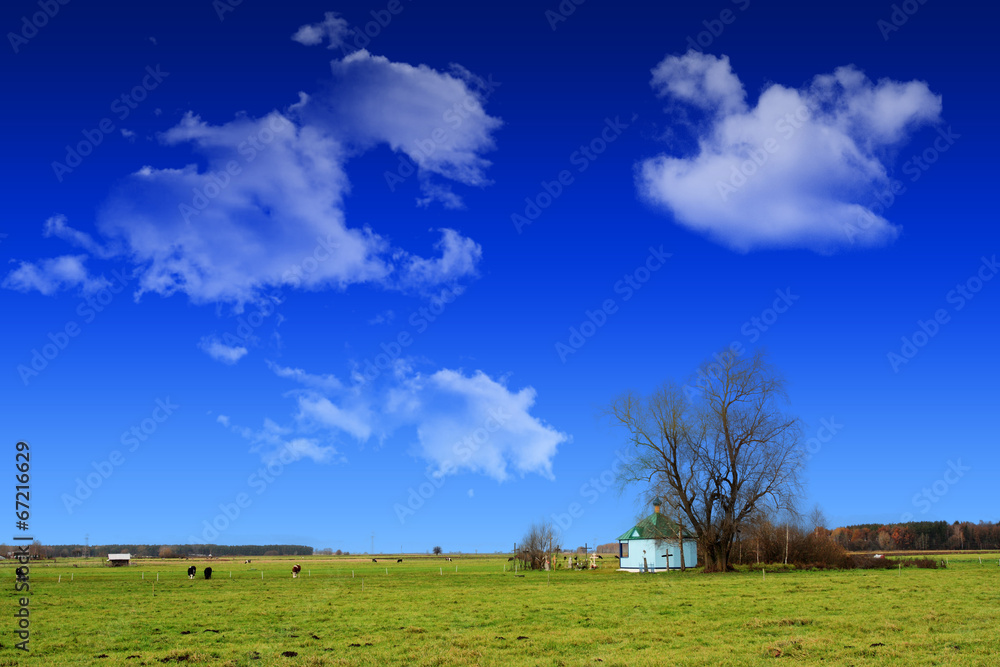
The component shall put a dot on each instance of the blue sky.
(407, 273)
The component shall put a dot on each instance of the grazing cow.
(601, 557)
(399, 560)
(510, 559)
(295, 571)
(374, 560)
(448, 559)
(192, 571)
(246, 562)
(208, 573)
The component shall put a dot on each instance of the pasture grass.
(418, 614)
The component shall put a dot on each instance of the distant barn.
(118, 560)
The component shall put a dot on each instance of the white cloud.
(355, 420)
(436, 192)
(385, 317)
(462, 423)
(321, 382)
(272, 443)
(267, 210)
(219, 351)
(58, 227)
(701, 80)
(475, 423)
(437, 119)
(128, 134)
(459, 257)
(799, 169)
(49, 276)
(332, 28)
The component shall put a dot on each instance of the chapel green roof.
(654, 527)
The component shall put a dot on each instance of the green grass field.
(418, 614)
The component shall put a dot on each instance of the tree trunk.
(717, 558)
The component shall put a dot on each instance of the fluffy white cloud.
(49, 276)
(799, 169)
(437, 119)
(227, 354)
(462, 423)
(332, 27)
(701, 80)
(475, 423)
(459, 257)
(266, 211)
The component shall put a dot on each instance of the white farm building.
(652, 545)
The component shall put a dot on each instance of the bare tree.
(437, 551)
(728, 453)
(538, 544)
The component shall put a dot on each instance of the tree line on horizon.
(918, 536)
(166, 550)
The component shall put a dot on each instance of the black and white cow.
(192, 571)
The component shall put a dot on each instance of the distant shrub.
(865, 562)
